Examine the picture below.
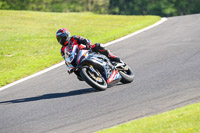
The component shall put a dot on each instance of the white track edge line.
(137, 32)
(62, 63)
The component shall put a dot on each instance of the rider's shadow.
(51, 96)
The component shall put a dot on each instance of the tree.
(122, 7)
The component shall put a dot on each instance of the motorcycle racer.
(64, 38)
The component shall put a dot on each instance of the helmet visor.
(61, 40)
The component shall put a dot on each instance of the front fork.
(91, 69)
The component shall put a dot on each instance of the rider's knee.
(97, 47)
(100, 46)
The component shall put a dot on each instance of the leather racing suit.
(97, 47)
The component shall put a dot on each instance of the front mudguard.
(92, 62)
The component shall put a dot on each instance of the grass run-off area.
(181, 120)
(28, 39)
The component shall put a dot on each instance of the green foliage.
(121, 7)
(28, 43)
(154, 7)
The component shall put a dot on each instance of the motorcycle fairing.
(114, 76)
(70, 54)
(102, 62)
(81, 54)
(81, 57)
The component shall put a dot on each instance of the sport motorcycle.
(96, 69)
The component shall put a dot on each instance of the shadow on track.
(51, 96)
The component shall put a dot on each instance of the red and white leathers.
(97, 47)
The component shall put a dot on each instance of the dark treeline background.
(121, 7)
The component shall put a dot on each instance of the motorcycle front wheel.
(93, 77)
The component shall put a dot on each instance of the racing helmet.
(63, 36)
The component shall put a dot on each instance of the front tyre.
(93, 78)
(127, 75)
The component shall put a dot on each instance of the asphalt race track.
(166, 62)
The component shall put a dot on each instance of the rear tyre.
(97, 82)
(127, 75)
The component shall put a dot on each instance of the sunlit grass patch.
(182, 120)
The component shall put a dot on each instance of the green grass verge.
(28, 43)
(182, 120)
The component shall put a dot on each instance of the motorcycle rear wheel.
(127, 75)
(97, 82)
